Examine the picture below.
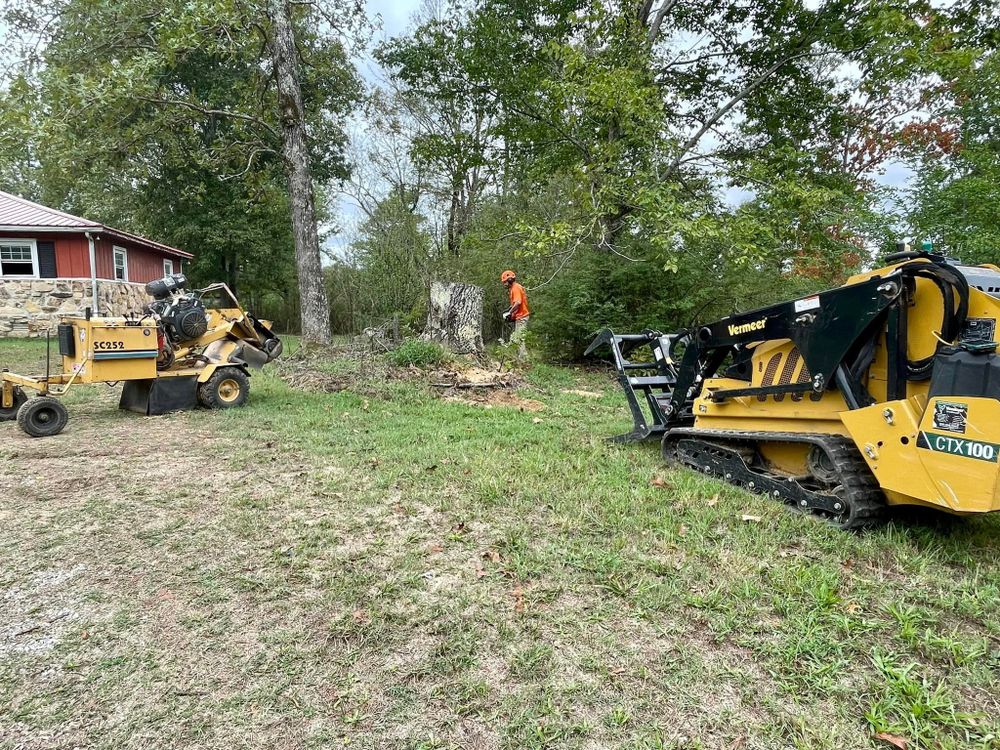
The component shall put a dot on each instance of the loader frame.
(835, 331)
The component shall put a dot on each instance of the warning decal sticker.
(950, 416)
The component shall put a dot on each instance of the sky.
(393, 18)
(395, 14)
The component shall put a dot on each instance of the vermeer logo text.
(739, 330)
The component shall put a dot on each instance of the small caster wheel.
(42, 417)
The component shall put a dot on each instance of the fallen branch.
(495, 384)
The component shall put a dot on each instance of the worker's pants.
(520, 329)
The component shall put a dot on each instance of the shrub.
(419, 353)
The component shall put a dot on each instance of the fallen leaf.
(659, 482)
(683, 530)
(459, 527)
(492, 555)
(437, 547)
(359, 616)
(853, 608)
(480, 572)
(752, 519)
(900, 742)
(518, 598)
(713, 501)
(536, 420)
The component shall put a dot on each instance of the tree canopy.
(629, 157)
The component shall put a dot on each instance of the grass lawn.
(384, 568)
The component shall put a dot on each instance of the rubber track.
(861, 489)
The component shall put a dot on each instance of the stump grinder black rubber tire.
(9, 415)
(42, 417)
(227, 388)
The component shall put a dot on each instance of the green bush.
(419, 353)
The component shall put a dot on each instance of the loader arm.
(833, 330)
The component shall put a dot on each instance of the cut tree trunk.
(315, 309)
(455, 317)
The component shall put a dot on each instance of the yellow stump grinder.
(885, 391)
(186, 348)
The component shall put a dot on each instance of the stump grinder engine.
(186, 348)
(882, 392)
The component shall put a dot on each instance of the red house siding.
(143, 265)
(73, 256)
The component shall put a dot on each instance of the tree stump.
(455, 317)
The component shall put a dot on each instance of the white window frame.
(34, 257)
(168, 262)
(115, 249)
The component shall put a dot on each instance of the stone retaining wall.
(29, 306)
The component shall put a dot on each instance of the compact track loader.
(885, 391)
(185, 349)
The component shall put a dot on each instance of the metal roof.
(19, 213)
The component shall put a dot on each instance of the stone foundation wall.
(29, 306)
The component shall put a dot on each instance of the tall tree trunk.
(314, 307)
(453, 234)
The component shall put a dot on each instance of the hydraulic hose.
(954, 290)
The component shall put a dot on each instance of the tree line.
(641, 163)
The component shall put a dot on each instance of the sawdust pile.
(482, 386)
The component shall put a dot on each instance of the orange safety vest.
(517, 294)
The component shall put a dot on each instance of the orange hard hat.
(507, 276)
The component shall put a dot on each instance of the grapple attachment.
(645, 364)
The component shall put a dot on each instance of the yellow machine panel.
(959, 446)
(109, 349)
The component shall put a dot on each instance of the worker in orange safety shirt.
(518, 312)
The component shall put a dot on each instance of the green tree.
(246, 90)
(956, 196)
(393, 255)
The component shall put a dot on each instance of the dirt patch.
(496, 398)
(38, 612)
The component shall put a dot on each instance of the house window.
(168, 267)
(18, 258)
(121, 264)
